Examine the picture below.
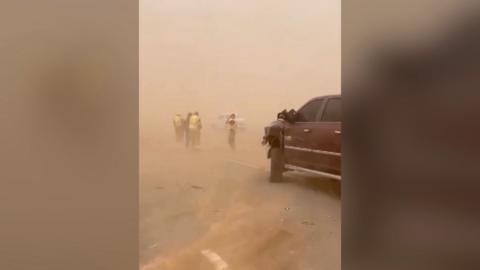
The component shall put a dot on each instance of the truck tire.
(276, 165)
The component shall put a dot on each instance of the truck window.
(309, 112)
(333, 111)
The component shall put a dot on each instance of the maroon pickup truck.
(307, 140)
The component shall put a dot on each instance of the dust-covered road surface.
(212, 208)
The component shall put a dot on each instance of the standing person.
(195, 125)
(232, 129)
(187, 130)
(199, 128)
(179, 126)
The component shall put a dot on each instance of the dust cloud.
(254, 58)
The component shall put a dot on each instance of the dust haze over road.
(255, 58)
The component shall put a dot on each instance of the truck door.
(326, 138)
(297, 136)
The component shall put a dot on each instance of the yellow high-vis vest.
(177, 121)
(194, 122)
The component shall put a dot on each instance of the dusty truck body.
(307, 140)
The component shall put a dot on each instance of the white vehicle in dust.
(221, 119)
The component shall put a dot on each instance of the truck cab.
(307, 140)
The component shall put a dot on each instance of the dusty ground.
(218, 201)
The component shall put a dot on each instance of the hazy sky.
(255, 57)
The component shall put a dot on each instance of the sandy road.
(214, 209)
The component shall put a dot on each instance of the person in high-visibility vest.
(194, 127)
(187, 130)
(179, 127)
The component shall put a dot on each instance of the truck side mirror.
(282, 115)
(289, 116)
(292, 116)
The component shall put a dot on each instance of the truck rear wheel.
(276, 165)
